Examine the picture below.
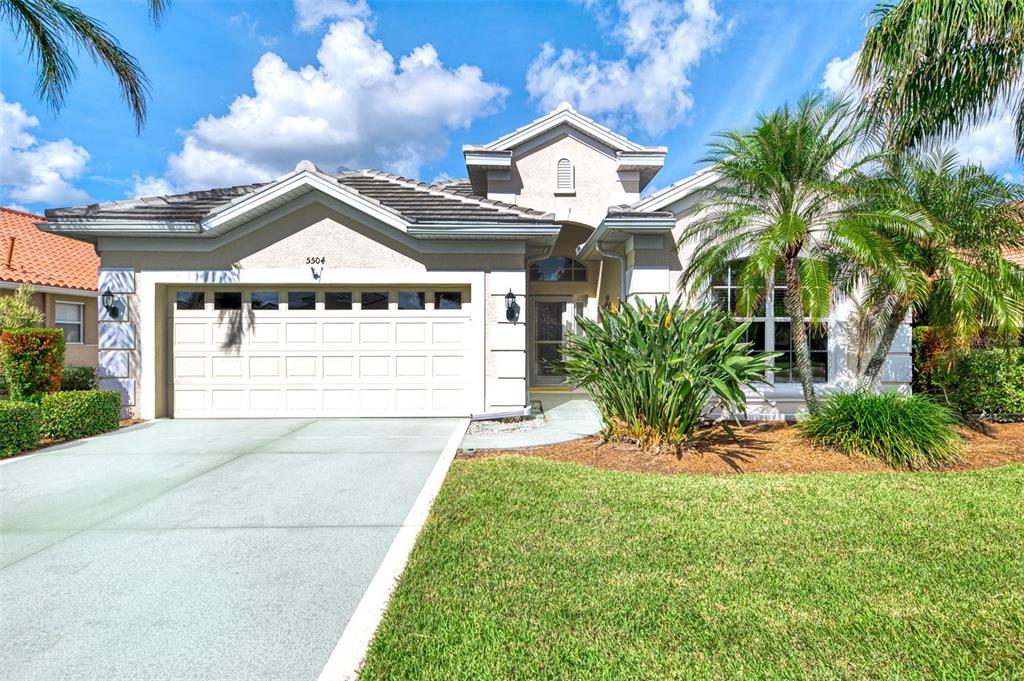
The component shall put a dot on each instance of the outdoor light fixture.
(108, 305)
(511, 308)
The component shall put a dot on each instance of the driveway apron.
(201, 549)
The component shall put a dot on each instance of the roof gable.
(563, 115)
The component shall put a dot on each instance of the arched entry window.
(558, 268)
(564, 176)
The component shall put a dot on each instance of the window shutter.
(565, 178)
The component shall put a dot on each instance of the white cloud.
(35, 171)
(355, 108)
(149, 186)
(839, 74)
(252, 28)
(990, 144)
(310, 14)
(648, 87)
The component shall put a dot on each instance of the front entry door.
(552, 317)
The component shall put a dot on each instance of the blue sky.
(243, 90)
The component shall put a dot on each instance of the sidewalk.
(568, 416)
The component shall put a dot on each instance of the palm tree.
(953, 270)
(780, 203)
(934, 68)
(50, 28)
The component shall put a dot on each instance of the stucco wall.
(134, 348)
(654, 270)
(598, 184)
(75, 354)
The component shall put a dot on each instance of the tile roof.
(187, 207)
(29, 256)
(1015, 255)
(422, 202)
(414, 201)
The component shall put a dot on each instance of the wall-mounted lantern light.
(108, 305)
(511, 307)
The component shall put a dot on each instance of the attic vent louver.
(565, 182)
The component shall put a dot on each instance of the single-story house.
(63, 273)
(362, 293)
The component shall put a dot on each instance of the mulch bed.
(763, 448)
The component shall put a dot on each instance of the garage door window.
(338, 300)
(412, 300)
(447, 300)
(69, 317)
(374, 300)
(190, 300)
(301, 300)
(265, 300)
(227, 300)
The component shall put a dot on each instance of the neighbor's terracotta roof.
(41, 258)
(1015, 255)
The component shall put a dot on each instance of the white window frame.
(769, 319)
(560, 189)
(81, 321)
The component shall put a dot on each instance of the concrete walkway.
(568, 416)
(212, 550)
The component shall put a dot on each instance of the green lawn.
(534, 569)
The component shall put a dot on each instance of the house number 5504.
(316, 260)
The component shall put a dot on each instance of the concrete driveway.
(209, 550)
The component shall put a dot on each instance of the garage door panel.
(338, 366)
(300, 367)
(269, 363)
(374, 333)
(226, 367)
(335, 333)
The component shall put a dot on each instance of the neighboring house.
(63, 273)
(363, 293)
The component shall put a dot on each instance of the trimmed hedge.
(74, 414)
(79, 378)
(987, 382)
(19, 426)
(32, 360)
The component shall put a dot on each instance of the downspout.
(622, 267)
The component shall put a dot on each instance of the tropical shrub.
(32, 360)
(981, 382)
(79, 378)
(904, 431)
(655, 372)
(17, 310)
(70, 415)
(19, 426)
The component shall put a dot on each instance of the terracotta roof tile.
(43, 259)
(1015, 255)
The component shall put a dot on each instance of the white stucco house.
(361, 293)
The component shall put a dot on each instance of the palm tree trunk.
(798, 333)
(892, 327)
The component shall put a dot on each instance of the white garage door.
(269, 351)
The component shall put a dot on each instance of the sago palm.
(780, 203)
(51, 30)
(934, 68)
(953, 271)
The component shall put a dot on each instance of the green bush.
(32, 360)
(904, 431)
(984, 382)
(19, 427)
(79, 378)
(655, 372)
(70, 415)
